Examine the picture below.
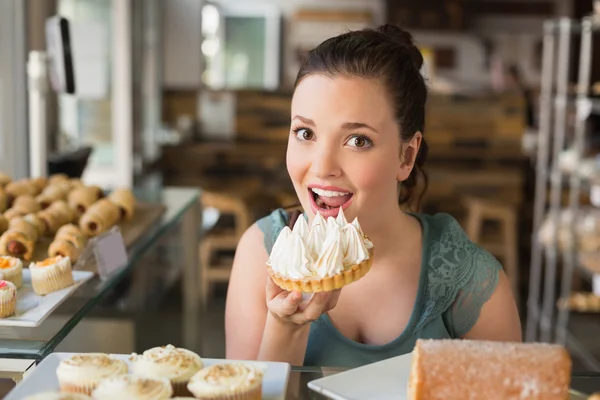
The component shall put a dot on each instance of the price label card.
(596, 284)
(110, 253)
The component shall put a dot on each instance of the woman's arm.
(499, 317)
(251, 331)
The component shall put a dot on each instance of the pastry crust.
(21, 225)
(20, 188)
(315, 285)
(16, 244)
(62, 210)
(467, 369)
(99, 218)
(51, 221)
(12, 213)
(3, 200)
(52, 193)
(4, 180)
(125, 199)
(82, 198)
(3, 224)
(69, 242)
(36, 221)
(26, 204)
(40, 183)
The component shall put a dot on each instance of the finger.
(285, 304)
(333, 299)
(272, 289)
(316, 306)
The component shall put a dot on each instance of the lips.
(327, 200)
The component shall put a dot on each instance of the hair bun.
(405, 40)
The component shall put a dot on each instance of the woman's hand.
(289, 307)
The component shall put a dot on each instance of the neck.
(393, 234)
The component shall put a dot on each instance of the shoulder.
(457, 270)
(270, 226)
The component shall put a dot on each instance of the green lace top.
(457, 278)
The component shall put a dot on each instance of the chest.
(376, 309)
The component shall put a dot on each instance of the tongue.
(334, 202)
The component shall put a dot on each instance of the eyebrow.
(345, 125)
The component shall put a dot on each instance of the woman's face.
(344, 148)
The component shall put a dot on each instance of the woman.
(356, 140)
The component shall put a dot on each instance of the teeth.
(328, 193)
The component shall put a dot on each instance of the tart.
(133, 387)
(11, 269)
(51, 275)
(8, 299)
(82, 373)
(228, 381)
(330, 254)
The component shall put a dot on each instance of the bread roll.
(58, 178)
(53, 192)
(63, 211)
(3, 224)
(12, 213)
(4, 180)
(51, 221)
(37, 222)
(20, 188)
(69, 241)
(99, 218)
(25, 227)
(468, 369)
(82, 198)
(40, 183)
(26, 204)
(3, 200)
(125, 199)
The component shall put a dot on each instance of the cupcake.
(228, 381)
(51, 274)
(83, 372)
(8, 299)
(176, 364)
(133, 387)
(330, 254)
(58, 396)
(11, 269)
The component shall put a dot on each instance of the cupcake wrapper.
(69, 387)
(310, 285)
(7, 308)
(254, 393)
(52, 282)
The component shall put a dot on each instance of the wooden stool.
(226, 240)
(480, 210)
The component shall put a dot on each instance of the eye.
(304, 134)
(359, 142)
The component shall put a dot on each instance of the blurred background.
(193, 93)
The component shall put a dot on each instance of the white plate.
(382, 380)
(32, 309)
(43, 377)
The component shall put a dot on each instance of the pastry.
(26, 204)
(58, 178)
(468, 369)
(99, 218)
(37, 222)
(82, 198)
(3, 224)
(11, 269)
(40, 183)
(51, 274)
(20, 188)
(594, 396)
(82, 373)
(4, 180)
(327, 256)
(21, 225)
(16, 243)
(68, 242)
(235, 381)
(133, 387)
(176, 364)
(98, 190)
(63, 211)
(3, 200)
(75, 183)
(125, 199)
(58, 396)
(52, 222)
(12, 213)
(8, 299)
(53, 192)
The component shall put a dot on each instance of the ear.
(408, 155)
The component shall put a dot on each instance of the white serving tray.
(43, 377)
(383, 380)
(32, 309)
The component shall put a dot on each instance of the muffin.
(133, 387)
(8, 299)
(176, 364)
(51, 274)
(58, 396)
(83, 372)
(227, 381)
(11, 269)
(330, 254)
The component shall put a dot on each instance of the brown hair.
(388, 54)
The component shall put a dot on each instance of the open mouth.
(328, 202)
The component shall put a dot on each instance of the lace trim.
(461, 277)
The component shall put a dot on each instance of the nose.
(325, 162)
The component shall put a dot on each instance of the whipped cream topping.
(325, 249)
(90, 368)
(133, 387)
(226, 378)
(171, 362)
